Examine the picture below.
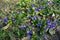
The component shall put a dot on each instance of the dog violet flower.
(34, 17)
(18, 11)
(30, 17)
(36, 9)
(53, 24)
(4, 19)
(22, 26)
(48, 26)
(49, 2)
(38, 24)
(33, 5)
(12, 19)
(28, 34)
(28, 31)
(48, 22)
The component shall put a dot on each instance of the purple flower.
(54, 22)
(28, 32)
(41, 7)
(34, 17)
(49, 2)
(36, 9)
(48, 21)
(48, 26)
(12, 19)
(52, 25)
(18, 11)
(33, 5)
(22, 26)
(4, 19)
(38, 24)
(30, 17)
(28, 36)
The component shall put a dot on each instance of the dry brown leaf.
(25, 38)
(5, 27)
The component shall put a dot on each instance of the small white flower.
(53, 15)
(49, 0)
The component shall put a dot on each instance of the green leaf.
(51, 31)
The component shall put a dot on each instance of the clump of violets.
(38, 8)
(34, 20)
(4, 19)
(51, 24)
